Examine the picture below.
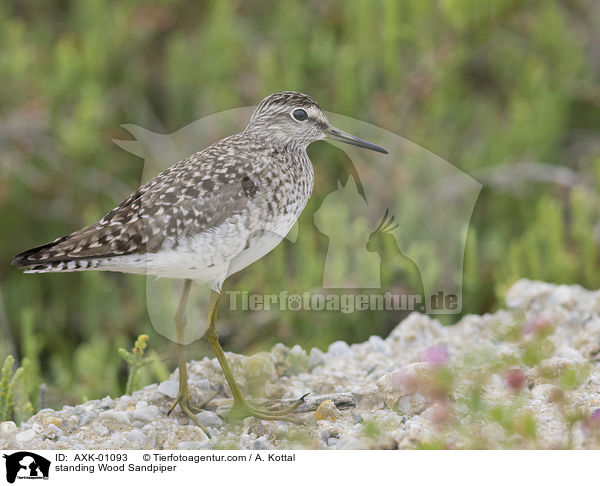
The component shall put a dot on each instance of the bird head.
(295, 120)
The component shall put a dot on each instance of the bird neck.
(276, 140)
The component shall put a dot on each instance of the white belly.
(210, 257)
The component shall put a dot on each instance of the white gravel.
(475, 384)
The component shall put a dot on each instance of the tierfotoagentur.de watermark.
(344, 303)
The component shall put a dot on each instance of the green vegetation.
(507, 90)
(14, 400)
(137, 362)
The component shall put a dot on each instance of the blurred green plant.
(137, 361)
(14, 401)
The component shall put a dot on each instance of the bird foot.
(242, 409)
(189, 410)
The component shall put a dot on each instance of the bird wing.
(188, 198)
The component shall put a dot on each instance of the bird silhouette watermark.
(395, 227)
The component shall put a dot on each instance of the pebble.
(52, 420)
(136, 436)
(25, 436)
(7, 428)
(396, 400)
(547, 392)
(193, 445)
(86, 418)
(53, 431)
(100, 429)
(327, 411)
(315, 358)
(169, 388)
(146, 414)
(209, 419)
(339, 349)
(262, 443)
(123, 417)
(378, 345)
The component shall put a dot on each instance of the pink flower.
(405, 381)
(514, 379)
(538, 324)
(441, 413)
(593, 421)
(436, 355)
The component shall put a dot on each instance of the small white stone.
(411, 404)
(122, 417)
(25, 436)
(86, 418)
(169, 388)
(53, 431)
(100, 429)
(547, 392)
(348, 442)
(209, 419)
(339, 349)
(262, 443)
(7, 428)
(141, 404)
(315, 358)
(194, 445)
(571, 354)
(378, 345)
(524, 292)
(136, 436)
(147, 413)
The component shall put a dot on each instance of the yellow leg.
(183, 395)
(241, 408)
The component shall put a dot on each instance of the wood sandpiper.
(207, 217)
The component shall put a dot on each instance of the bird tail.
(50, 258)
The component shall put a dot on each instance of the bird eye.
(299, 114)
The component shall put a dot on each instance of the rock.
(419, 387)
(100, 429)
(548, 393)
(411, 404)
(417, 330)
(169, 388)
(86, 418)
(194, 445)
(339, 349)
(53, 431)
(404, 381)
(524, 292)
(146, 414)
(136, 436)
(52, 420)
(327, 411)
(315, 358)
(209, 419)
(7, 429)
(378, 345)
(123, 417)
(350, 443)
(262, 443)
(25, 436)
